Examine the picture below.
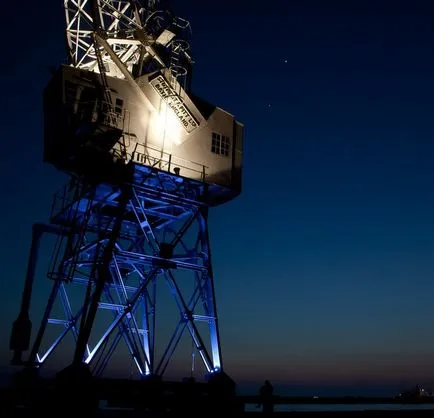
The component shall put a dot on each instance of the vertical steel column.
(103, 274)
(210, 302)
(21, 329)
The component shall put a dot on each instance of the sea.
(341, 407)
(347, 390)
(332, 390)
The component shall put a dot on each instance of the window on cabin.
(220, 144)
(71, 92)
(118, 106)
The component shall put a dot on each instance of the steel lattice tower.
(132, 214)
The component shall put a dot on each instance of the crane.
(147, 159)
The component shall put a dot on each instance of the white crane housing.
(124, 95)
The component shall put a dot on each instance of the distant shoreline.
(343, 400)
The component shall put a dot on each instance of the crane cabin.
(150, 120)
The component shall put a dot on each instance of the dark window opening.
(220, 144)
(118, 106)
(71, 90)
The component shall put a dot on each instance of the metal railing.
(153, 157)
(67, 196)
(147, 155)
(98, 111)
(93, 111)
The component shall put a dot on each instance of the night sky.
(324, 265)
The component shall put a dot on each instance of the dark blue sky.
(324, 264)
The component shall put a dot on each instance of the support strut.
(22, 327)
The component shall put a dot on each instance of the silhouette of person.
(266, 397)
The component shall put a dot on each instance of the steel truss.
(118, 242)
(134, 31)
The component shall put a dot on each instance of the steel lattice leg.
(118, 250)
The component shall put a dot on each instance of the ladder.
(107, 106)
